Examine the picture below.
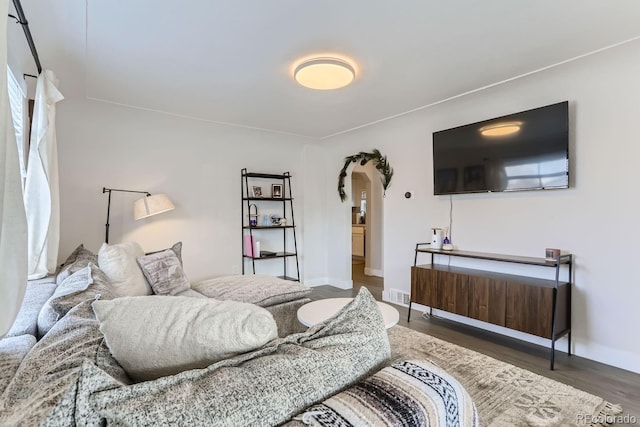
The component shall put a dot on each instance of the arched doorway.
(366, 205)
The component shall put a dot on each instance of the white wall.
(315, 229)
(197, 164)
(597, 219)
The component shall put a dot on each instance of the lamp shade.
(151, 205)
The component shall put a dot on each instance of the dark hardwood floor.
(615, 385)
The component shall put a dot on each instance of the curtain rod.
(22, 20)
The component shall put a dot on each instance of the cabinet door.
(487, 299)
(529, 309)
(452, 292)
(423, 290)
(357, 244)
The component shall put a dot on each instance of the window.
(17, 101)
(538, 173)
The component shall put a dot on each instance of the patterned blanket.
(408, 393)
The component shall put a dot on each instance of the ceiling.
(232, 61)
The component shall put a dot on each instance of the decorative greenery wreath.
(381, 164)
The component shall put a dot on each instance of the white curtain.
(13, 225)
(41, 195)
(17, 100)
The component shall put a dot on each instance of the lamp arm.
(109, 190)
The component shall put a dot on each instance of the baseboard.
(607, 355)
(373, 272)
(321, 281)
(492, 328)
(342, 284)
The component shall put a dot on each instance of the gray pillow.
(155, 336)
(176, 248)
(164, 273)
(257, 289)
(86, 284)
(79, 259)
(35, 296)
(264, 387)
(46, 319)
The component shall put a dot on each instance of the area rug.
(505, 395)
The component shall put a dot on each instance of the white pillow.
(155, 336)
(119, 264)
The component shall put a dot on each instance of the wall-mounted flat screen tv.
(522, 151)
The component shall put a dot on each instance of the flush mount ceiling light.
(501, 129)
(324, 73)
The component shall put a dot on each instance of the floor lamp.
(145, 207)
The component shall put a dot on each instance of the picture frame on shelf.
(276, 191)
(256, 191)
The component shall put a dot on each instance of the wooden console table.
(540, 307)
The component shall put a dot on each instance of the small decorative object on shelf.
(253, 216)
(446, 244)
(552, 254)
(276, 191)
(436, 238)
(279, 216)
(249, 245)
(256, 191)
